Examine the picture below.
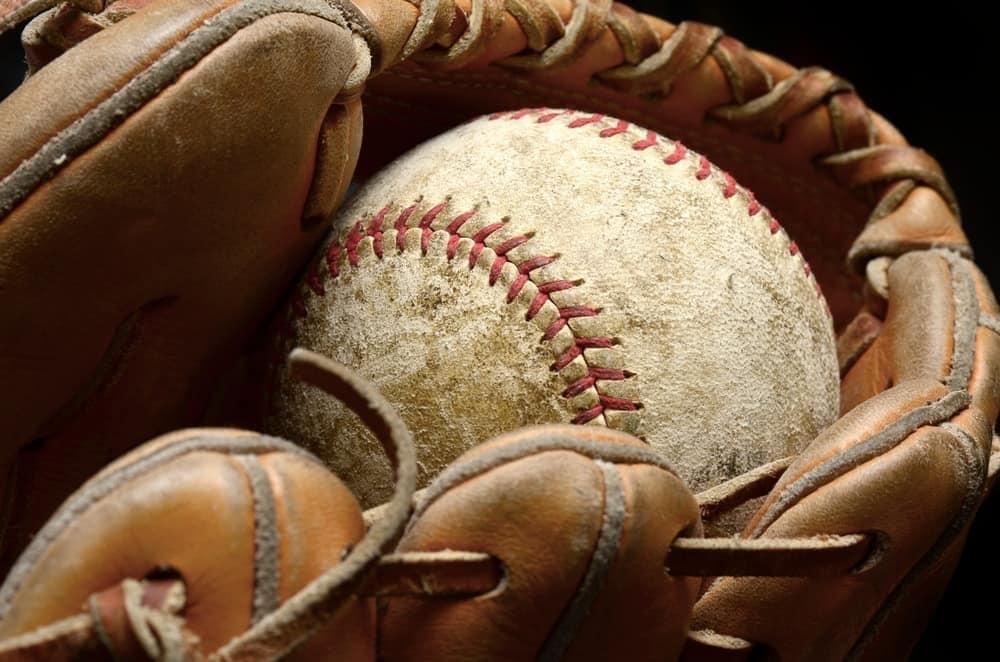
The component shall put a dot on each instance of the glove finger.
(581, 520)
(942, 325)
(894, 467)
(244, 521)
(114, 206)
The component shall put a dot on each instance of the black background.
(932, 73)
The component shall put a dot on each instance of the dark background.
(931, 72)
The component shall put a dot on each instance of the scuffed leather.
(830, 170)
(129, 277)
(541, 516)
(185, 504)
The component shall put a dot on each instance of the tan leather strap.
(13, 12)
(820, 556)
(305, 612)
(467, 574)
(448, 574)
(722, 498)
(131, 621)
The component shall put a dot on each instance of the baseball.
(546, 266)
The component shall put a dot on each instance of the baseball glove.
(177, 195)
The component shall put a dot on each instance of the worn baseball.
(546, 266)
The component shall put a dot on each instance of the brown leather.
(142, 236)
(134, 620)
(838, 175)
(810, 557)
(270, 548)
(898, 448)
(938, 343)
(580, 518)
(445, 574)
(269, 519)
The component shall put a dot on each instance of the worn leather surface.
(831, 170)
(128, 277)
(581, 540)
(244, 521)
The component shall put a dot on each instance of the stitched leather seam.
(976, 466)
(347, 250)
(966, 312)
(267, 570)
(873, 446)
(605, 549)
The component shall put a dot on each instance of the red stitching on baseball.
(314, 281)
(548, 117)
(333, 260)
(536, 306)
(677, 155)
(375, 231)
(354, 238)
(531, 264)
(513, 243)
(606, 403)
(704, 168)
(646, 142)
(400, 226)
(594, 374)
(730, 189)
(576, 349)
(584, 121)
(620, 127)
(359, 231)
(478, 242)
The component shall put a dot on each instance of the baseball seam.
(705, 167)
(338, 251)
(346, 249)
